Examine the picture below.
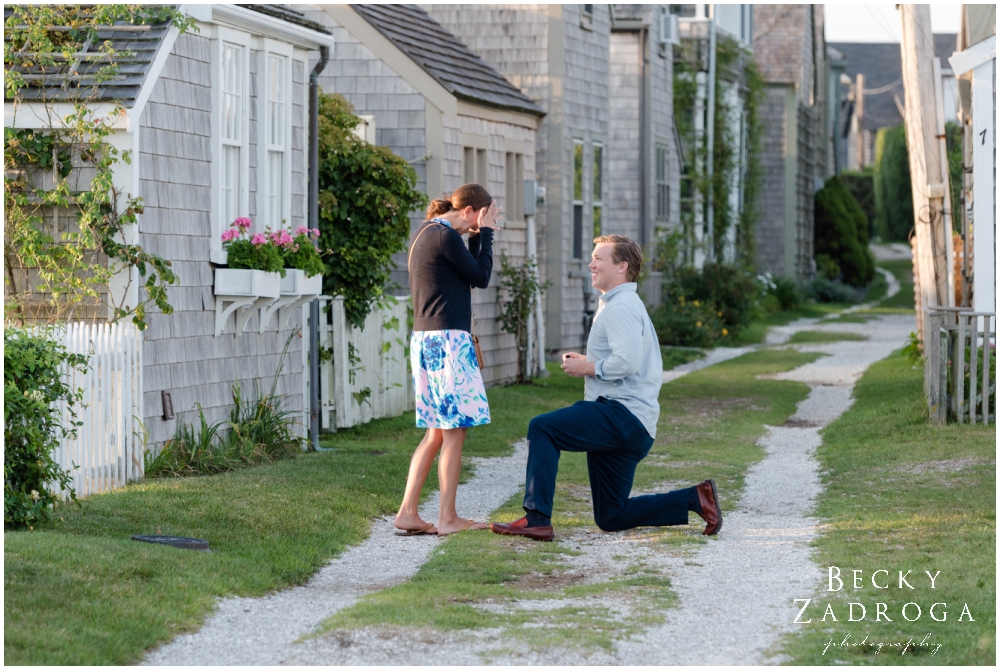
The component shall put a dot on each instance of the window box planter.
(296, 290)
(247, 289)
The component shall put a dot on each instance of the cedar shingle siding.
(180, 352)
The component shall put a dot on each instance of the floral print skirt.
(447, 382)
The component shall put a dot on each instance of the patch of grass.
(80, 592)
(757, 331)
(903, 272)
(902, 494)
(709, 425)
(877, 288)
(819, 336)
(674, 356)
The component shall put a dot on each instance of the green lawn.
(902, 271)
(674, 356)
(757, 331)
(901, 494)
(81, 592)
(709, 425)
(820, 336)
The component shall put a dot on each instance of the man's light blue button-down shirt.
(626, 356)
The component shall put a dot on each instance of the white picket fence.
(366, 376)
(107, 451)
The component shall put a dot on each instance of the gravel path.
(261, 631)
(735, 591)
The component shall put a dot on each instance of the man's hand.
(577, 365)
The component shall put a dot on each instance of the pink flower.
(301, 230)
(242, 222)
(230, 234)
(259, 238)
(315, 231)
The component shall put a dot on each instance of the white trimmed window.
(275, 206)
(230, 125)
(514, 187)
(662, 185)
(578, 199)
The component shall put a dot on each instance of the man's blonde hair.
(624, 250)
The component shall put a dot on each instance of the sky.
(880, 23)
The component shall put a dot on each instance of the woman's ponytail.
(438, 207)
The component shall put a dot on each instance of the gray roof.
(443, 56)
(880, 63)
(73, 80)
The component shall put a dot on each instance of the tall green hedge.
(366, 194)
(862, 187)
(841, 236)
(893, 195)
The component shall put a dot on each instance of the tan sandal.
(426, 530)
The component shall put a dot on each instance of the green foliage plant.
(953, 145)
(841, 234)
(735, 69)
(260, 429)
(520, 284)
(300, 252)
(823, 289)
(893, 191)
(34, 383)
(251, 252)
(861, 184)
(687, 324)
(68, 167)
(366, 196)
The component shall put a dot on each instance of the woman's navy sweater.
(441, 272)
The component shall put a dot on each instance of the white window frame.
(578, 254)
(661, 178)
(264, 146)
(223, 37)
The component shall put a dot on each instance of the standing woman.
(448, 384)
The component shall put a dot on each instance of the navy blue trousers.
(614, 441)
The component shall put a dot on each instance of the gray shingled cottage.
(790, 50)
(456, 119)
(558, 55)
(222, 134)
(216, 118)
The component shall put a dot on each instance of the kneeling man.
(616, 422)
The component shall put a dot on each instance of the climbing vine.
(735, 73)
(68, 228)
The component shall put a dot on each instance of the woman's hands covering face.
(487, 217)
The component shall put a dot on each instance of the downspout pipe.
(324, 58)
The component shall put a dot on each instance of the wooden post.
(917, 54)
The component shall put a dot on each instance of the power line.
(882, 23)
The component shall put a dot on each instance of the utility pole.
(930, 262)
(859, 114)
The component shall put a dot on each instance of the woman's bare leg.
(449, 470)
(408, 517)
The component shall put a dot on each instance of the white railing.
(107, 450)
(365, 376)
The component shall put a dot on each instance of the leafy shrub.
(787, 294)
(727, 288)
(841, 233)
(301, 252)
(862, 187)
(34, 384)
(893, 191)
(366, 196)
(260, 430)
(520, 284)
(688, 324)
(822, 289)
(246, 252)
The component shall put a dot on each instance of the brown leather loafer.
(520, 527)
(708, 498)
